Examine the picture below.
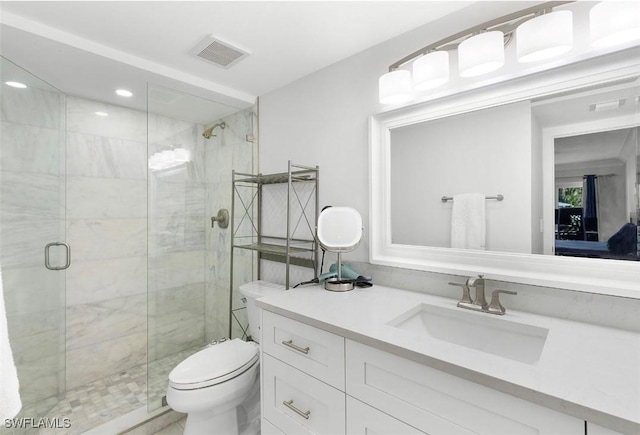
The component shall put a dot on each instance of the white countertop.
(588, 371)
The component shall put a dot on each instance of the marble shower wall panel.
(177, 228)
(31, 215)
(32, 107)
(121, 124)
(166, 132)
(95, 281)
(107, 230)
(106, 157)
(30, 149)
(108, 357)
(117, 198)
(228, 150)
(179, 321)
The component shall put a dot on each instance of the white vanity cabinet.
(362, 419)
(302, 377)
(317, 382)
(594, 429)
(438, 403)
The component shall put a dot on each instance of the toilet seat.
(214, 365)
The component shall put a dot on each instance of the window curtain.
(611, 206)
(590, 208)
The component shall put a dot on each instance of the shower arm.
(208, 133)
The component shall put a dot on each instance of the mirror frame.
(603, 276)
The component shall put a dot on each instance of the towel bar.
(498, 197)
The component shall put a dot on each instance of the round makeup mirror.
(339, 230)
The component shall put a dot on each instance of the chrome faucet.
(480, 301)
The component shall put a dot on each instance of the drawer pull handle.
(289, 404)
(290, 344)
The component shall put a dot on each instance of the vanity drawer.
(365, 420)
(312, 350)
(442, 404)
(314, 407)
(594, 429)
(266, 428)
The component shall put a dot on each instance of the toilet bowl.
(214, 384)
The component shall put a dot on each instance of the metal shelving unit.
(292, 243)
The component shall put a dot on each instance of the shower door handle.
(47, 263)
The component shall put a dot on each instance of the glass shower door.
(32, 216)
(193, 145)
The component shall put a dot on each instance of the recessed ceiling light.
(124, 93)
(102, 114)
(16, 85)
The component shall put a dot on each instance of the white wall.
(537, 239)
(488, 152)
(322, 119)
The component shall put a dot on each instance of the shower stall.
(126, 197)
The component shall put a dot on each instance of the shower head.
(208, 133)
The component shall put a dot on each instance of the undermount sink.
(483, 332)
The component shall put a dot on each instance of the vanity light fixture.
(481, 54)
(16, 85)
(431, 70)
(545, 36)
(540, 32)
(395, 87)
(124, 93)
(614, 22)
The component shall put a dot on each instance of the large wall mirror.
(556, 156)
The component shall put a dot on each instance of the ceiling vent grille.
(218, 52)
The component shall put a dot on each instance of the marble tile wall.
(177, 256)
(106, 215)
(229, 150)
(149, 277)
(32, 124)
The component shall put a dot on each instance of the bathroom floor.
(176, 428)
(101, 401)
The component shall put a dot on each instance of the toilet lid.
(214, 364)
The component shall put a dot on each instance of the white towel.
(10, 403)
(468, 227)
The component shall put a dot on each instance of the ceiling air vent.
(218, 52)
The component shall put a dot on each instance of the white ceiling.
(576, 107)
(88, 48)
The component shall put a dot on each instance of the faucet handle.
(495, 307)
(466, 294)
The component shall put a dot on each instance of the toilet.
(219, 387)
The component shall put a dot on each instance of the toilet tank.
(252, 291)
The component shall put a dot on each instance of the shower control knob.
(222, 218)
